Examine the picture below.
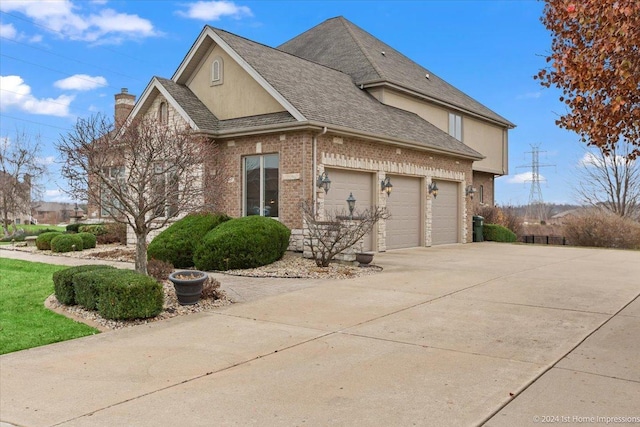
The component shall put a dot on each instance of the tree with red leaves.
(595, 61)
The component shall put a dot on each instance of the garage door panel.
(404, 205)
(343, 183)
(445, 221)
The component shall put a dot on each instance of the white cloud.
(17, 94)
(8, 31)
(49, 160)
(65, 18)
(57, 196)
(523, 178)
(592, 160)
(81, 82)
(214, 10)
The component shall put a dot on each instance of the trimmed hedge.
(86, 286)
(126, 294)
(63, 282)
(66, 243)
(177, 244)
(88, 240)
(43, 241)
(74, 228)
(246, 242)
(498, 233)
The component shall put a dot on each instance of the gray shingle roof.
(329, 96)
(342, 45)
(207, 121)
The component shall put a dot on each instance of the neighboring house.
(15, 199)
(338, 101)
(54, 212)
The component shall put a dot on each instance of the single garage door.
(445, 217)
(404, 227)
(343, 183)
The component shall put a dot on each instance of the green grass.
(24, 321)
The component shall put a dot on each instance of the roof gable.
(340, 44)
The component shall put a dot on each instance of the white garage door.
(404, 227)
(344, 183)
(445, 218)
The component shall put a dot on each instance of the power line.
(535, 208)
(34, 122)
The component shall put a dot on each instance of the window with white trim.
(455, 126)
(217, 71)
(481, 194)
(165, 189)
(108, 202)
(260, 190)
(163, 116)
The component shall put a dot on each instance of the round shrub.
(88, 240)
(43, 241)
(177, 244)
(126, 294)
(73, 228)
(498, 233)
(66, 243)
(63, 282)
(246, 242)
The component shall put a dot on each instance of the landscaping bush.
(242, 243)
(43, 241)
(505, 216)
(113, 233)
(88, 240)
(66, 243)
(177, 244)
(95, 229)
(126, 294)
(63, 282)
(86, 286)
(74, 228)
(498, 233)
(602, 229)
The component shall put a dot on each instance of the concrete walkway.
(495, 334)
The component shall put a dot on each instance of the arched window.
(217, 71)
(163, 117)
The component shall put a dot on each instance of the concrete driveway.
(447, 336)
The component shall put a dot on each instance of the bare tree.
(611, 181)
(143, 175)
(338, 231)
(20, 169)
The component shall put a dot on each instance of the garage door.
(344, 183)
(404, 227)
(445, 218)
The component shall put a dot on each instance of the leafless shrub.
(598, 228)
(211, 289)
(506, 216)
(159, 270)
(337, 231)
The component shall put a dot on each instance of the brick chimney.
(124, 104)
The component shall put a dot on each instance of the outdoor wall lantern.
(351, 202)
(386, 186)
(324, 182)
(433, 189)
(469, 191)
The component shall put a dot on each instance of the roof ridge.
(344, 22)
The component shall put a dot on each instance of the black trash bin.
(478, 223)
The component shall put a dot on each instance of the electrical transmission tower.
(536, 207)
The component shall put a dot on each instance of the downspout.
(315, 169)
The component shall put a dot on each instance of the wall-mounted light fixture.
(324, 182)
(469, 191)
(433, 189)
(351, 202)
(386, 186)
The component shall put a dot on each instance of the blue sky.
(61, 60)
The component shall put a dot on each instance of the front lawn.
(24, 321)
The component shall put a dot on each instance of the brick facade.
(486, 180)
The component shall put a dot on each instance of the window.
(165, 191)
(261, 177)
(163, 117)
(455, 126)
(481, 194)
(108, 202)
(217, 71)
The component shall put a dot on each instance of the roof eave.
(420, 95)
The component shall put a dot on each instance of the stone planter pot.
(364, 258)
(188, 285)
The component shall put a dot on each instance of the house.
(15, 199)
(55, 212)
(335, 103)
